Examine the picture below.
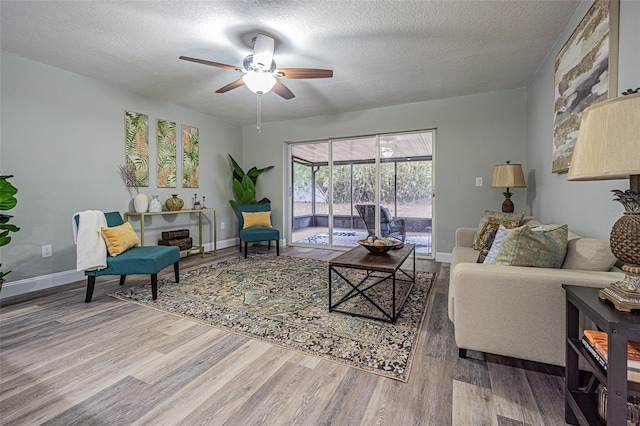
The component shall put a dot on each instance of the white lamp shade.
(508, 176)
(608, 145)
(259, 82)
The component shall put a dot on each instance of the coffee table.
(380, 270)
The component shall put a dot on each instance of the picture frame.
(586, 72)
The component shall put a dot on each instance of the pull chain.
(259, 107)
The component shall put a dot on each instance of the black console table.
(581, 404)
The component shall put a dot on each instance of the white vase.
(154, 204)
(141, 203)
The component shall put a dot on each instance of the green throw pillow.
(545, 247)
(491, 220)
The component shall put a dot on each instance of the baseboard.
(443, 257)
(16, 288)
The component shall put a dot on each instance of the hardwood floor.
(108, 362)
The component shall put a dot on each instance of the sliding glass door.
(344, 190)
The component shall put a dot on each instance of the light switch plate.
(479, 181)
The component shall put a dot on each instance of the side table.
(581, 404)
(199, 248)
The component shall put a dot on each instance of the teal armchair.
(258, 233)
(137, 260)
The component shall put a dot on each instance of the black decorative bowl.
(380, 248)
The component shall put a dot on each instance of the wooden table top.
(360, 258)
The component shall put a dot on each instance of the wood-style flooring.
(109, 362)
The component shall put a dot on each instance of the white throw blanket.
(91, 250)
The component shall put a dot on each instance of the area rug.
(283, 300)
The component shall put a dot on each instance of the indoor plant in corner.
(244, 185)
(7, 202)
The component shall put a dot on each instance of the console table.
(196, 248)
(621, 327)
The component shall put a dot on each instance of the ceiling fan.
(260, 72)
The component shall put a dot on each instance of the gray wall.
(63, 138)
(586, 206)
(473, 133)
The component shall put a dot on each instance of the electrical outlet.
(221, 225)
(46, 251)
(479, 181)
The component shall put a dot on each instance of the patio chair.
(389, 227)
(257, 218)
(148, 260)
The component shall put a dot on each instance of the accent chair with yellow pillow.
(125, 257)
(254, 225)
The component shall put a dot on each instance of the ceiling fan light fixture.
(259, 82)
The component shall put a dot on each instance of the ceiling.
(382, 52)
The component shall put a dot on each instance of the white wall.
(586, 206)
(473, 133)
(63, 138)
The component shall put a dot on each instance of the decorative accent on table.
(190, 156)
(155, 205)
(585, 73)
(141, 203)
(129, 176)
(137, 146)
(7, 202)
(167, 166)
(508, 176)
(203, 199)
(174, 203)
(196, 202)
(607, 148)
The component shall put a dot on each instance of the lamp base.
(507, 204)
(625, 294)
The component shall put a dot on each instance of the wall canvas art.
(167, 166)
(585, 73)
(137, 145)
(190, 156)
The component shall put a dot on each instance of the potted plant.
(7, 202)
(244, 185)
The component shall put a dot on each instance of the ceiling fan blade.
(231, 86)
(283, 90)
(213, 64)
(303, 73)
(263, 51)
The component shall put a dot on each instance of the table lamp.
(508, 176)
(608, 147)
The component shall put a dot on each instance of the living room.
(62, 139)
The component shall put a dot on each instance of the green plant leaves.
(7, 192)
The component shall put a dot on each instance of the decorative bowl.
(387, 244)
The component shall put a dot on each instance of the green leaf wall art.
(167, 166)
(190, 156)
(137, 145)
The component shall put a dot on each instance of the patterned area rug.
(284, 300)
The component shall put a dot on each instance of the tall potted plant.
(7, 202)
(244, 185)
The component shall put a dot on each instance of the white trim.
(16, 288)
(443, 257)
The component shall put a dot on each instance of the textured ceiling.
(382, 52)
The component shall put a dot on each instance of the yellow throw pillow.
(120, 238)
(253, 220)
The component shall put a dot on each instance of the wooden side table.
(581, 404)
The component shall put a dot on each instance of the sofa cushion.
(501, 235)
(589, 254)
(491, 220)
(543, 247)
(487, 246)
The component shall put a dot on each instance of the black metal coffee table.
(380, 270)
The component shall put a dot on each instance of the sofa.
(519, 311)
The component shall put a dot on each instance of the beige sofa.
(520, 311)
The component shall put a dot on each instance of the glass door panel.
(353, 184)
